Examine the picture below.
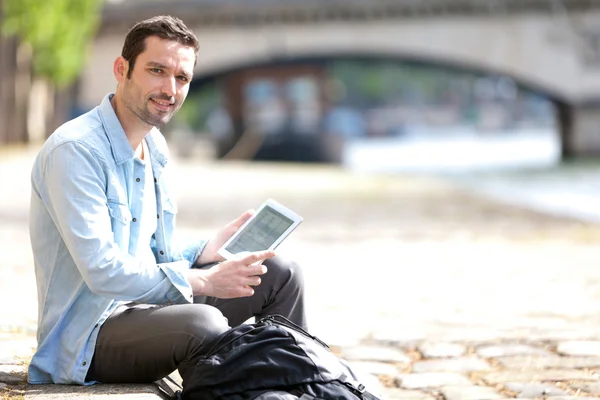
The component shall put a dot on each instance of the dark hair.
(162, 26)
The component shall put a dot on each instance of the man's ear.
(120, 68)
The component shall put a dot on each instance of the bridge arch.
(527, 83)
(397, 112)
(486, 45)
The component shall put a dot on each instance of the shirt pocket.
(119, 212)
(169, 214)
(120, 219)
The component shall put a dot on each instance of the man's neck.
(135, 130)
(139, 151)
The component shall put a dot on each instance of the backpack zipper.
(286, 322)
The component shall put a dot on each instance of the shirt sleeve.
(188, 250)
(74, 192)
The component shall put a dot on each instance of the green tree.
(58, 32)
(53, 37)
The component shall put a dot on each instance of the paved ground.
(436, 292)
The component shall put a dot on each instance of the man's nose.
(169, 86)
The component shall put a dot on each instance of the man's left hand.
(209, 254)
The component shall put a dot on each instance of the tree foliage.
(58, 32)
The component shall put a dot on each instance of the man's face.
(159, 82)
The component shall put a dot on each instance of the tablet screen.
(261, 232)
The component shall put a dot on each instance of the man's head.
(154, 71)
(165, 27)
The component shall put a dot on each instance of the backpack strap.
(359, 390)
(169, 388)
(368, 396)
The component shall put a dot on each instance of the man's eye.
(156, 70)
(182, 78)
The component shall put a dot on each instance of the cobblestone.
(503, 350)
(402, 394)
(431, 380)
(442, 350)
(573, 398)
(6, 359)
(22, 347)
(550, 361)
(375, 368)
(591, 388)
(579, 348)
(554, 375)
(376, 353)
(12, 374)
(534, 389)
(462, 364)
(470, 393)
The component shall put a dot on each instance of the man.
(115, 291)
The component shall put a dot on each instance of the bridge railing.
(250, 12)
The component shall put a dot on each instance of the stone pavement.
(430, 291)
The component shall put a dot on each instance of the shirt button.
(134, 219)
(95, 326)
(137, 179)
(154, 180)
(162, 253)
(84, 363)
(157, 216)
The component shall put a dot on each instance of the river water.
(519, 167)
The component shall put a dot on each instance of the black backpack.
(272, 359)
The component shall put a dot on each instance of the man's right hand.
(230, 279)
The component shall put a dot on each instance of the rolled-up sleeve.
(189, 251)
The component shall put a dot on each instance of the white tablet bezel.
(296, 220)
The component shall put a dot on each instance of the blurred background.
(444, 153)
(493, 94)
(331, 81)
(316, 81)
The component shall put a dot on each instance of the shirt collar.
(154, 139)
(120, 146)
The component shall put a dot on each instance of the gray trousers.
(144, 343)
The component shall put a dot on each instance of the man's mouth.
(163, 105)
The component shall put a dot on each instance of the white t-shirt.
(148, 218)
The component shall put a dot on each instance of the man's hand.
(231, 278)
(209, 254)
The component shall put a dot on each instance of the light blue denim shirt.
(84, 234)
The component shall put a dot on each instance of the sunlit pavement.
(391, 262)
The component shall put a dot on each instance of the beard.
(157, 118)
(141, 109)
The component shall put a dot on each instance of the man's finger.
(257, 269)
(239, 221)
(257, 256)
(253, 281)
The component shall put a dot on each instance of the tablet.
(265, 230)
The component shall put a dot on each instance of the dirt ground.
(384, 255)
